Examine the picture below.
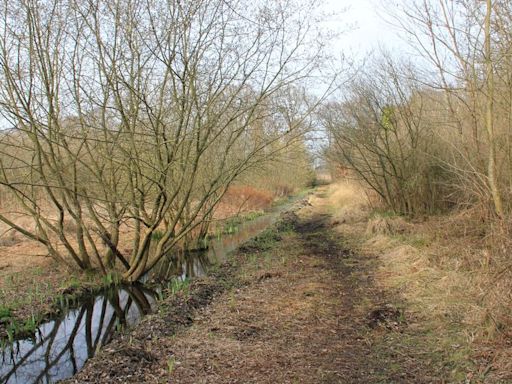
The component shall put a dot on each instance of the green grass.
(170, 365)
(111, 278)
(71, 283)
(17, 328)
(157, 235)
(30, 325)
(5, 313)
(414, 240)
(177, 285)
(264, 241)
(36, 293)
(254, 215)
(232, 225)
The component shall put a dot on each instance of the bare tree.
(456, 39)
(382, 131)
(132, 118)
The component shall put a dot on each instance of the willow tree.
(128, 118)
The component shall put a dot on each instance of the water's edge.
(61, 346)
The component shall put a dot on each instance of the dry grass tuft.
(378, 241)
(387, 226)
(348, 193)
(348, 200)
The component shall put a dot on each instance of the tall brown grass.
(453, 271)
(244, 198)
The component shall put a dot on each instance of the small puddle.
(61, 347)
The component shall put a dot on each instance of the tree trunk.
(489, 118)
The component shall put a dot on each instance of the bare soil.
(295, 307)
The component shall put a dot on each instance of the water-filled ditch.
(61, 346)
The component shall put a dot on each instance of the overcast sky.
(367, 25)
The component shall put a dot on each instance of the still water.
(61, 347)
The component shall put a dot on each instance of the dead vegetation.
(379, 225)
(457, 294)
(243, 198)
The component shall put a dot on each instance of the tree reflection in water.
(183, 265)
(61, 347)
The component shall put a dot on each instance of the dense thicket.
(434, 132)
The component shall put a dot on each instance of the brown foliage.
(244, 198)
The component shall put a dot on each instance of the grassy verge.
(33, 296)
(438, 269)
(232, 224)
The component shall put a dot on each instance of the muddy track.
(374, 329)
(304, 310)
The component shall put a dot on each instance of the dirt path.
(301, 310)
(292, 322)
